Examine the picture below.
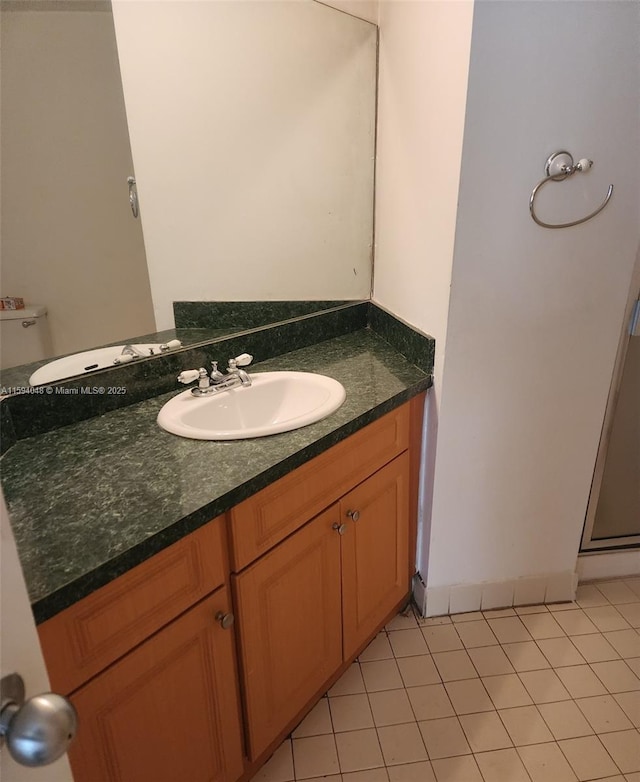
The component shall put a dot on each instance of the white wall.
(252, 129)
(535, 314)
(68, 238)
(423, 70)
(526, 341)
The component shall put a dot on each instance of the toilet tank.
(24, 336)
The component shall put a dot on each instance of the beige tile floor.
(538, 694)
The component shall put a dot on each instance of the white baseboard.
(461, 598)
(608, 564)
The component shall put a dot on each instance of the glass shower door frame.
(588, 544)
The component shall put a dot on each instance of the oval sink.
(274, 402)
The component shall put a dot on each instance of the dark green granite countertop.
(90, 500)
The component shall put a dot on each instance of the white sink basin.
(274, 402)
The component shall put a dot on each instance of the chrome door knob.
(339, 528)
(39, 730)
(226, 620)
(354, 515)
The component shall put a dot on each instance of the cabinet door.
(375, 551)
(168, 711)
(289, 618)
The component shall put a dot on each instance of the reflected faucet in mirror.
(93, 360)
(130, 352)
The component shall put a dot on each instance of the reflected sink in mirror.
(100, 358)
(274, 402)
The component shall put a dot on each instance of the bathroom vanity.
(210, 592)
(310, 568)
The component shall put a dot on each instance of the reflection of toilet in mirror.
(24, 336)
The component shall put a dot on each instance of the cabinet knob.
(39, 730)
(339, 528)
(354, 515)
(226, 620)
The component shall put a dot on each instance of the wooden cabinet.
(82, 640)
(266, 518)
(317, 561)
(313, 601)
(151, 671)
(289, 615)
(167, 711)
(375, 552)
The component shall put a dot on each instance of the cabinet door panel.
(289, 618)
(375, 551)
(168, 711)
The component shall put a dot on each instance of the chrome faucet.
(133, 351)
(130, 352)
(216, 381)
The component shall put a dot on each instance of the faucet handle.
(243, 360)
(189, 375)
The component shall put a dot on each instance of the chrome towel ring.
(558, 167)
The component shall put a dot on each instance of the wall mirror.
(249, 127)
